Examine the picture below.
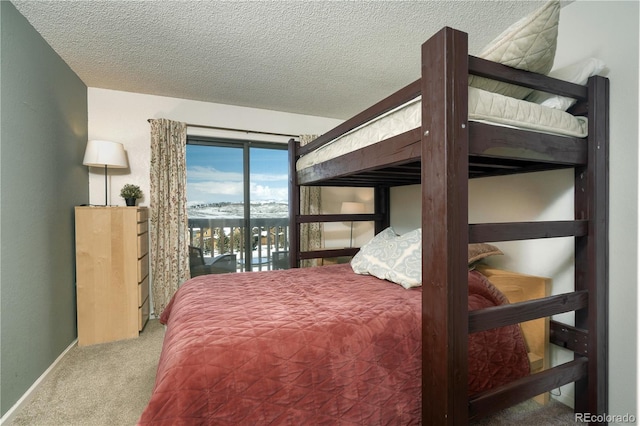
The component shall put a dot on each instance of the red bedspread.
(302, 346)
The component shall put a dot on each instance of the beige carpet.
(105, 384)
(110, 384)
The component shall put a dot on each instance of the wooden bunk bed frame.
(442, 155)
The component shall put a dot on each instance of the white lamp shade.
(349, 207)
(105, 153)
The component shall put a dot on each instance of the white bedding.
(483, 106)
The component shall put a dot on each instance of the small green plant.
(131, 191)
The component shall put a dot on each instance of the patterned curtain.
(310, 203)
(169, 224)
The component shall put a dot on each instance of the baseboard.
(28, 395)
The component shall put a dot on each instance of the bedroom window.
(237, 203)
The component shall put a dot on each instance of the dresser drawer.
(143, 268)
(143, 244)
(143, 227)
(143, 314)
(143, 215)
(143, 291)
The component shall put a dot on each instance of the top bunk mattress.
(487, 107)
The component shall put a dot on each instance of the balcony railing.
(265, 242)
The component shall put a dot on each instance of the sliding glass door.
(237, 194)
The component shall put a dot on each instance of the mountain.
(268, 209)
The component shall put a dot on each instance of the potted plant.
(131, 193)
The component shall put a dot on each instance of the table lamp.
(105, 153)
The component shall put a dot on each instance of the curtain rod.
(238, 130)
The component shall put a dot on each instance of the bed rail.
(483, 68)
(493, 151)
(526, 388)
(387, 104)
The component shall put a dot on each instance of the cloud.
(216, 188)
(213, 174)
(214, 185)
(200, 173)
(261, 177)
(228, 191)
(263, 192)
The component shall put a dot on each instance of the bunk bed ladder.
(445, 320)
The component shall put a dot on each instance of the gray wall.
(43, 132)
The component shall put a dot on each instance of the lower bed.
(313, 345)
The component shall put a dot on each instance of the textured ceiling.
(324, 58)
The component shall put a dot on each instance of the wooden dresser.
(112, 272)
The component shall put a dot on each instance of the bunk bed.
(442, 153)
(222, 364)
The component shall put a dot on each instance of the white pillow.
(392, 257)
(577, 73)
(529, 44)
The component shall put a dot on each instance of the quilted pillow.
(392, 257)
(478, 251)
(529, 44)
(577, 73)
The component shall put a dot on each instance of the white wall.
(122, 117)
(339, 235)
(607, 30)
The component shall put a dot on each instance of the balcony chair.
(221, 264)
(280, 259)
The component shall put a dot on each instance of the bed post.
(592, 251)
(294, 206)
(382, 201)
(445, 229)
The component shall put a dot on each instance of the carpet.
(110, 384)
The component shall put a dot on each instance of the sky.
(214, 174)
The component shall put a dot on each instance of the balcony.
(265, 244)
